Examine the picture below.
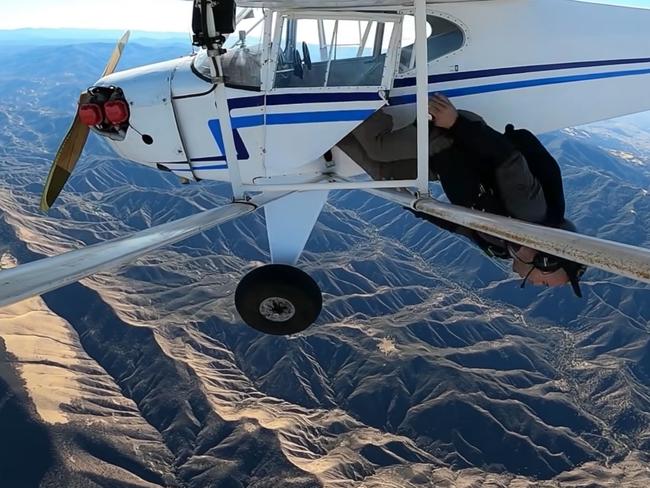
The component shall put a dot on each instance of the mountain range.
(428, 367)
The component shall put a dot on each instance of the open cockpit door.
(328, 72)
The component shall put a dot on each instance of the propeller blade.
(74, 141)
(65, 160)
(117, 54)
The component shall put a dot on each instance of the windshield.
(242, 61)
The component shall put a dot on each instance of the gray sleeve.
(381, 143)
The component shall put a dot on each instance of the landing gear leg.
(278, 299)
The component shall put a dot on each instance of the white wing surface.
(614, 257)
(336, 4)
(48, 274)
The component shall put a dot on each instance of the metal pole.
(364, 39)
(268, 67)
(332, 50)
(179, 129)
(334, 184)
(621, 259)
(422, 97)
(221, 98)
(322, 40)
(292, 34)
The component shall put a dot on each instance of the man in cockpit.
(509, 174)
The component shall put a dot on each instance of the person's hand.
(443, 111)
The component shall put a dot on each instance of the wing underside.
(614, 257)
(39, 277)
(48, 274)
(336, 4)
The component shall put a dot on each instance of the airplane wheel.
(278, 299)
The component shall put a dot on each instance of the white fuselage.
(539, 64)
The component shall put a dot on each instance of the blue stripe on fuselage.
(199, 168)
(300, 98)
(514, 85)
(351, 115)
(277, 119)
(514, 70)
(295, 118)
(315, 117)
(212, 166)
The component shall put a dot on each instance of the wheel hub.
(277, 309)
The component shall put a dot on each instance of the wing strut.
(422, 95)
(615, 257)
(48, 274)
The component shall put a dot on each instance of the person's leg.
(350, 146)
(381, 143)
(518, 193)
(461, 184)
(379, 170)
(387, 154)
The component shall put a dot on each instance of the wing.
(615, 257)
(48, 274)
(336, 4)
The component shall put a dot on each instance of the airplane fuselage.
(540, 64)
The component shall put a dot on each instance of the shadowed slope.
(428, 366)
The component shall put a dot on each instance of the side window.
(444, 37)
(330, 52)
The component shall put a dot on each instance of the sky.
(148, 15)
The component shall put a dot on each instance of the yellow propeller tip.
(44, 207)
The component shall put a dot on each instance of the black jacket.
(471, 175)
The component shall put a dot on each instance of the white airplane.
(260, 109)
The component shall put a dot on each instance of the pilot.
(509, 174)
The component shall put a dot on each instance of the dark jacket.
(511, 175)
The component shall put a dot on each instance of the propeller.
(74, 141)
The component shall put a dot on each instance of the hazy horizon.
(146, 15)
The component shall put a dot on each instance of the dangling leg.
(462, 185)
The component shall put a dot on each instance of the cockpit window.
(242, 61)
(325, 52)
(444, 37)
(332, 52)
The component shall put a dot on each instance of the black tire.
(278, 299)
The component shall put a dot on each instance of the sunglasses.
(548, 264)
(545, 263)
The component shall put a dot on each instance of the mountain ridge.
(427, 367)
